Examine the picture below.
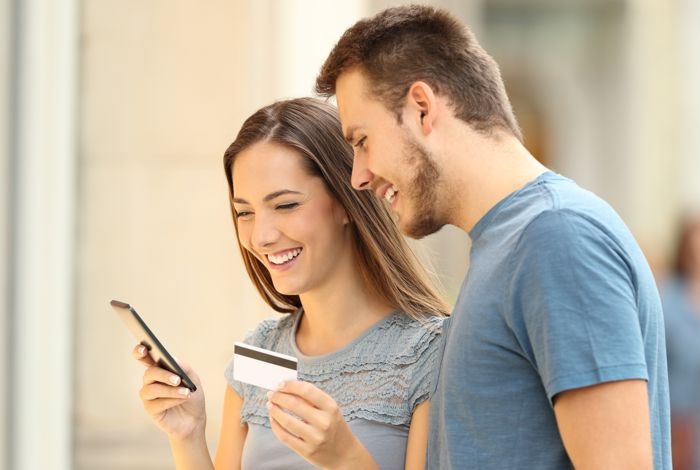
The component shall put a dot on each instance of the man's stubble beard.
(422, 196)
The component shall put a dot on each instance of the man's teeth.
(285, 257)
(389, 194)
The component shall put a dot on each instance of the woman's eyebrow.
(269, 197)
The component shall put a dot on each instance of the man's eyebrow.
(350, 134)
(269, 197)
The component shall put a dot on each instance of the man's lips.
(386, 192)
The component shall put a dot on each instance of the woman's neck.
(337, 314)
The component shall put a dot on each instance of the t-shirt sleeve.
(574, 308)
(425, 370)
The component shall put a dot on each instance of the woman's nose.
(265, 233)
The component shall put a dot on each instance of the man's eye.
(289, 205)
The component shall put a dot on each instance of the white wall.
(689, 49)
(42, 224)
(5, 84)
(651, 124)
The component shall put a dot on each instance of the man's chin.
(419, 228)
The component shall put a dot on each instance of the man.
(555, 356)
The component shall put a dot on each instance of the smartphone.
(145, 336)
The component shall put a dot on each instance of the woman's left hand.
(320, 434)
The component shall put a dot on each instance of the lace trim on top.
(381, 376)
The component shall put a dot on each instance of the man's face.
(388, 158)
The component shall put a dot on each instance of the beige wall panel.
(164, 90)
(162, 240)
(164, 80)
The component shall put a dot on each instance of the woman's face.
(286, 217)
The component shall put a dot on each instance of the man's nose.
(361, 175)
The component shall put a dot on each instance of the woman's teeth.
(281, 259)
(389, 194)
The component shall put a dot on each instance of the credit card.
(262, 367)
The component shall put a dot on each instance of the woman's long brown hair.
(389, 267)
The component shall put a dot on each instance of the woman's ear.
(341, 214)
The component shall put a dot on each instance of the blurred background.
(113, 121)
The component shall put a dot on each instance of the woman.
(362, 318)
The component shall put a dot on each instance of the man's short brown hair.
(405, 44)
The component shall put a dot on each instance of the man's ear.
(422, 106)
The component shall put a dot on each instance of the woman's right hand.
(176, 410)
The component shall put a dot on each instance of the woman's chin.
(285, 289)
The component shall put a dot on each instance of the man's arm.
(606, 426)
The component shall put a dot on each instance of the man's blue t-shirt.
(558, 296)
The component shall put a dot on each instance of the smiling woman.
(364, 322)
(311, 129)
(289, 222)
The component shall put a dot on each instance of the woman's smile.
(283, 260)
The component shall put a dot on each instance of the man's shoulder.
(550, 203)
(566, 238)
(568, 223)
(566, 211)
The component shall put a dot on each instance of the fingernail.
(269, 395)
(142, 350)
(174, 379)
(183, 391)
(281, 385)
(268, 405)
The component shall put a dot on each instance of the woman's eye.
(289, 205)
(240, 214)
(361, 143)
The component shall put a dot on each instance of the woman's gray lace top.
(381, 376)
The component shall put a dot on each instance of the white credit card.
(262, 367)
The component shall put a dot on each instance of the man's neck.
(493, 169)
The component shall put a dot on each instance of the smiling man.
(555, 354)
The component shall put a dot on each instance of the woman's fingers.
(292, 424)
(309, 421)
(156, 374)
(306, 401)
(155, 391)
(296, 405)
(141, 354)
(158, 397)
(161, 405)
(311, 393)
(292, 441)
